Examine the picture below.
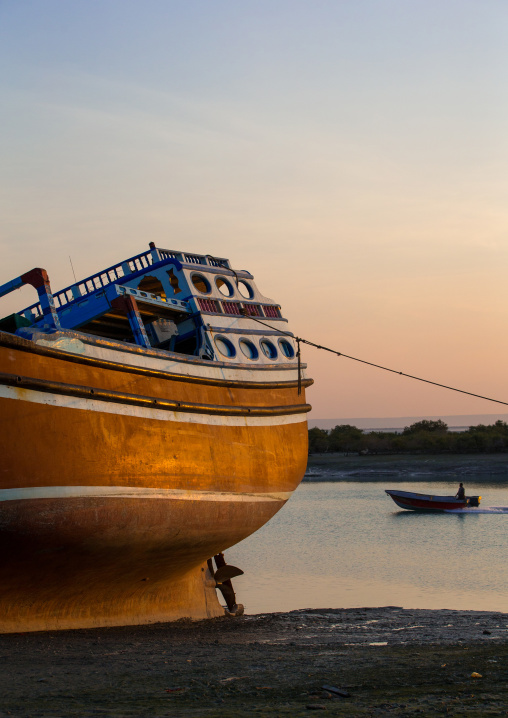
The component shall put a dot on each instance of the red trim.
(231, 308)
(253, 310)
(125, 304)
(408, 502)
(209, 305)
(271, 310)
(37, 277)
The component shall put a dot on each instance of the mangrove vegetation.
(422, 437)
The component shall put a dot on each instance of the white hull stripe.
(135, 492)
(206, 371)
(141, 412)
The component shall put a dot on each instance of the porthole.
(224, 287)
(268, 349)
(245, 289)
(286, 348)
(225, 347)
(248, 349)
(201, 283)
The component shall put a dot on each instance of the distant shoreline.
(397, 423)
(425, 437)
(476, 468)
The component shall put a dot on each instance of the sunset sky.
(351, 154)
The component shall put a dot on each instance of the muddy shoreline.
(386, 661)
(474, 468)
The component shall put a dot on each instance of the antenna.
(70, 260)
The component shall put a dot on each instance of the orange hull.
(118, 481)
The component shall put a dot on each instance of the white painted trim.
(249, 373)
(141, 412)
(136, 492)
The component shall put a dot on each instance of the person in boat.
(461, 494)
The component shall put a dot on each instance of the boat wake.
(481, 510)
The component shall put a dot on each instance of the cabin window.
(224, 287)
(152, 285)
(248, 349)
(245, 289)
(186, 346)
(268, 349)
(201, 283)
(225, 347)
(286, 348)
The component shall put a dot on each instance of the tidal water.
(345, 544)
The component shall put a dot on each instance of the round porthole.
(286, 348)
(245, 289)
(201, 283)
(248, 349)
(225, 347)
(224, 287)
(268, 349)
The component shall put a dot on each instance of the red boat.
(427, 502)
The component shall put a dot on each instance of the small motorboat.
(428, 502)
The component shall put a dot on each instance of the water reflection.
(416, 515)
(342, 545)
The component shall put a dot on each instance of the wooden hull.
(121, 475)
(426, 502)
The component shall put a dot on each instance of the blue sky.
(352, 155)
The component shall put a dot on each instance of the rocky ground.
(355, 662)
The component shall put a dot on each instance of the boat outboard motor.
(473, 501)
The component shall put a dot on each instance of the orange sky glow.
(352, 156)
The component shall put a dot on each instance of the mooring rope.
(300, 340)
(223, 263)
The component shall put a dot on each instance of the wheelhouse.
(190, 304)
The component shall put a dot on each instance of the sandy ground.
(385, 661)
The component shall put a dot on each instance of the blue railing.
(94, 282)
(112, 274)
(193, 258)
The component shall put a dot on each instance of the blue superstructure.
(186, 303)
